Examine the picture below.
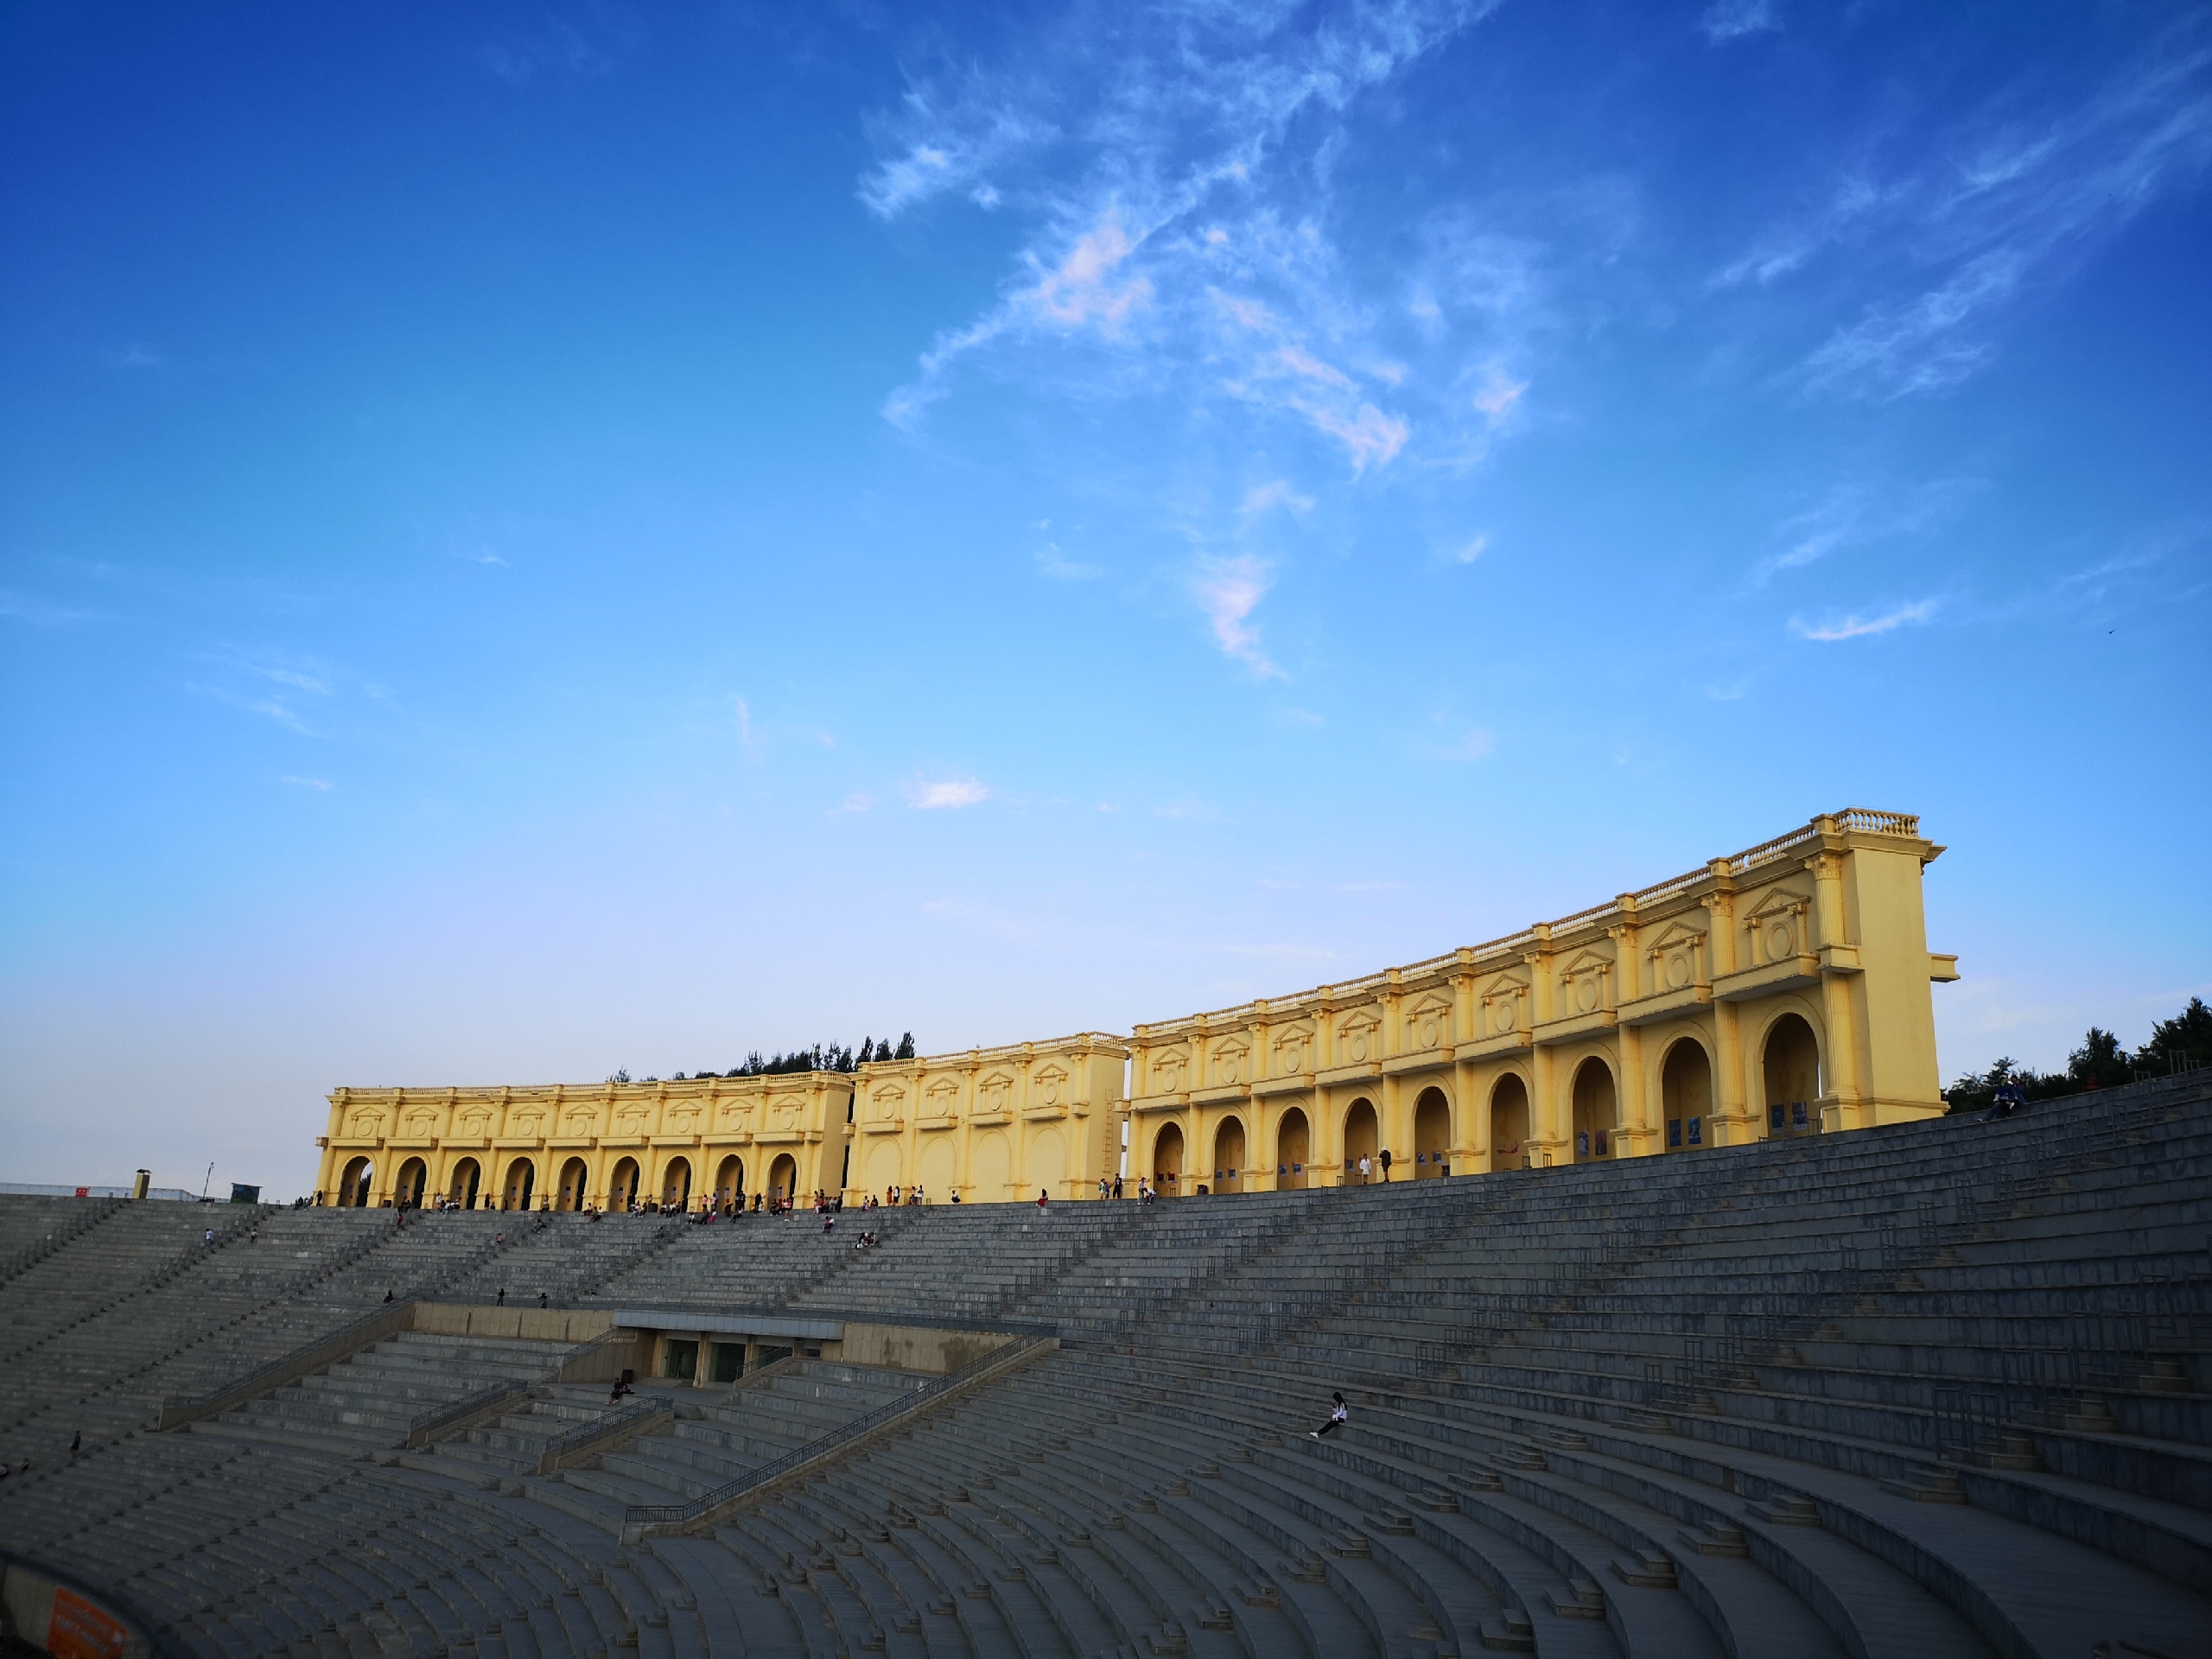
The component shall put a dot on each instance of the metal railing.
(426, 1427)
(617, 1425)
(347, 1339)
(868, 1423)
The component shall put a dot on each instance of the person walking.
(1365, 1168)
(503, 1296)
(1385, 1161)
(210, 1239)
(1117, 1187)
(541, 1298)
(1339, 1415)
(1040, 1200)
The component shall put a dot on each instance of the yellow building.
(1782, 990)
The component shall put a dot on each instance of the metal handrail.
(614, 1424)
(397, 1311)
(422, 1428)
(648, 1514)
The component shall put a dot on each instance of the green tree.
(2180, 1043)
(905, 1047)
(2099, 1063)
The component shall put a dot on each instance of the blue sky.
(539, 539)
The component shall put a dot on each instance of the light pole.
(204, 1179)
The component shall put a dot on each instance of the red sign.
(84, 1191)
(77, 1630)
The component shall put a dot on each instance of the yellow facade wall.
(1793, 974)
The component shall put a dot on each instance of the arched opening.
(461, 1187)
(1228, 1156)
(521, 1179)
(1167, 1159)
(573, 1176)
(1686, 1094)
(675, 1184)
(353, 1186)
(783, 1179)
(622, 1191)
(1293, 1149)
(1594, 1109)
(1047, 1164)
(935, 1170)
(1361, 1141)
(729, 1182)
(1792, 1064)
(1508, 1122)
(990, 1169)
(414, 1176)
(1432, 1135)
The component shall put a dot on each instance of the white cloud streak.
(1183, 219)
(2014, 200)
(1228, 591)
(951, 793)
(1855, 627)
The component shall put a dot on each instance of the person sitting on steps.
(1339, 1415)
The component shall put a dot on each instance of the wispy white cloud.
(1856, 626)
(1727, 20)
(39, 613)
(1469, 550)
(951, 792)
(1854, 515)
(1275, 493)
(1184, 220)
(1061, 568)
(2015, 197)
(307, 783)
(859, 801)
(1228, 591)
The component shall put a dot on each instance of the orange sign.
(80, 1630)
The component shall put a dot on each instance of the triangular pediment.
(1677, 935)
(1777, 901)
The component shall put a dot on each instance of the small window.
(1674, 1131)
(1797, 1119)
(1697, 1131)
(1773, 1118)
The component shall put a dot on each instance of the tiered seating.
(1937, 1389)
(566, 1259)
(370, 1401)
(755, 1262)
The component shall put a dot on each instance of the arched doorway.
(1686, 1094)
(1047, 1163)
(1228, 1156)
(574, 1175)
(990, 1169)
(1293, 1149)
(729, 1182)
(414, 1176)
(783, 1179)
(622, 1191)
(1792, 1065)
(675, 1184)
(1360, 1140)
(1167, 1159)
(1594, 1111)
(522, 1179)
(462, 1185)
(353, 1186)
(1432, 1135)
(1508, 1122)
